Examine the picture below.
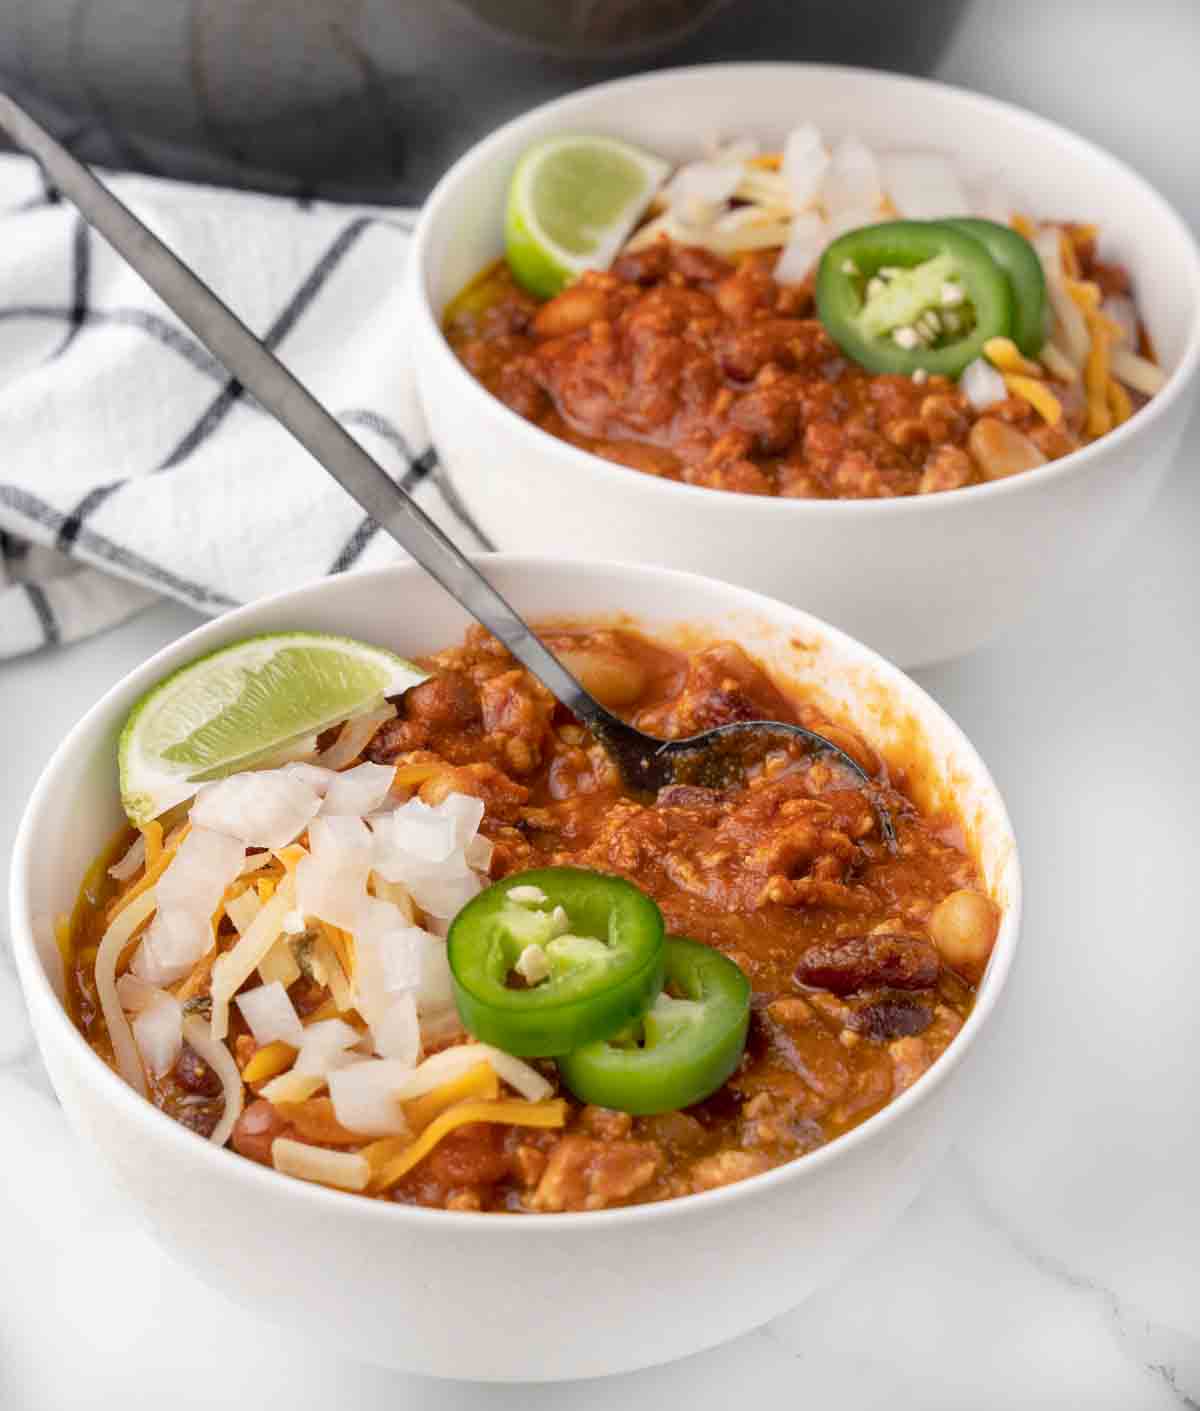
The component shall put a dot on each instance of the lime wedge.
(243, 706)
(571, 206)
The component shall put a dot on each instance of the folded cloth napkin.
(132, 466)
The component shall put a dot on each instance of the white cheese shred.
(114, 941)
(345, 1170)
(220, 1060)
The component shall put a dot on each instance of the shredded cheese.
(291, 855)
(1095, 379)
(1118, 402)
(268, 1062)
(1137, 372)
(280, 964)
(327, 967)
(478, 1082)
(234, 968)
(1037, 394)
(152, 834)
(1004, 354)
(118, 935)
(220, 1060)
(391, 1159)
(292, 1087)
(343, 1169)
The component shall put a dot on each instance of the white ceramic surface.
(922, 579)
(545, 1297)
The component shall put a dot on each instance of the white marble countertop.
(1053, 1260)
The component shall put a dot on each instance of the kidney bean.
(875, 961)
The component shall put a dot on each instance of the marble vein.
(1165, 1353)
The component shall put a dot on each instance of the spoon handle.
(294, 407)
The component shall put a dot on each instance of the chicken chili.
(639, 998)
(770, 327)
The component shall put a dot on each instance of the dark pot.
(372, 99)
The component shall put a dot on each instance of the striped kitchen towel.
(132, 465)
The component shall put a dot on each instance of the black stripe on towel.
(44, 613)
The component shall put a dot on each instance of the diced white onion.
(188, 894)
(266, 809)
(851, 180)
(195, 880)
(220, 1060)
(133, 858)
(437, 1028)
(805, 162)
(923, 185)
(354, 737)
(425, 834)
(271, 1015)
(344, 1169)
(713, 182)
(359, 790)
(325, 1047)
(397, 1032)
(364, 1097)
(331, 882)
(315, 776)
(445, 897)
(135, 994)
(805, 243)
(478, 853)
(158, 1032)
(173, 944)
(981, 384)
(467, 812)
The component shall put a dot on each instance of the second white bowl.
(920, 579)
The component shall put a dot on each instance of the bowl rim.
(212, 1161)
(479, 401)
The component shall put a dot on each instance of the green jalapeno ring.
(602, 973)
(1019, 261)
(691, 1042)
(854, 259)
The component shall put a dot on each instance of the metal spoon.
(714, 758)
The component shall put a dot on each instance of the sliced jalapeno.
(907, 295)
(1018, 259)
(546, 961)
(686, 1045)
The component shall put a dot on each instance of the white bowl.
(921, 579)
(492, 1296)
